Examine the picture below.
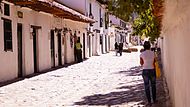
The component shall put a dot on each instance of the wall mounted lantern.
(65, 30)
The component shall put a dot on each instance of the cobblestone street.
(100, 81)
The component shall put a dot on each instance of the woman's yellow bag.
(157, 68)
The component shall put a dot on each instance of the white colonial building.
(97, 37)
(118, 31)
(38, 35)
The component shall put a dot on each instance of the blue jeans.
(149, 77)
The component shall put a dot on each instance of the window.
(90, 15)
(6, 9)
(7, 35)
(90, 8)
(106, 20)
(101, 20)
(88, 41)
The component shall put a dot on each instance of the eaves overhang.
(118, 26)
(53, 7)
(105, 2)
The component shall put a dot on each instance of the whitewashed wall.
(94, 42)
(103, 30)
(96, 13)
(8, 62)
(38, 19)
(111, 33)
(175, 51)
(58, 23)
(114, 37)
(83, 7)
(74, 26)
(96, 38)
(114, 20)
(78, 5)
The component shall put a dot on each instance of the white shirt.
(148, 58)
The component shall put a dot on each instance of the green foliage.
(145, 23)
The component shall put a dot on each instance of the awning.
(53, 7)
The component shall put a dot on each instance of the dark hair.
(78, 40)
(146, 45)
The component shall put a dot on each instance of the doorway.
(59, 49)
(19, 43)
(35, 49)
(109, 43)
(101, 42)
(65, 47)
(106, 48)
(52, 46)
(84, 55)
(89, 37)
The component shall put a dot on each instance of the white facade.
(174, 42)
(37, 28)
(9, 62)
(101, 38)
(98, 11)
(79, 5)
(111, 33)
(96, 32)
(8, 59)
(114, 20)
(117, 32)
(80, 30)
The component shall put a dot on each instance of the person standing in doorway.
(147, 59)
(78, 47)
(75, 52)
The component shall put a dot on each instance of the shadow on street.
(133, 93)
(4, 83)
(134, 71)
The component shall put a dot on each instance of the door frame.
(59, 43)
(35, 34)
(89, 37)
(101, 42)
(52, 46)
(109, 43)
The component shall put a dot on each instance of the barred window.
(7, 35)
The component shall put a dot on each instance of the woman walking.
(147, 59)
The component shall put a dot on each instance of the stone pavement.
(101, 81)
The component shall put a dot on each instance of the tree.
(149, 15)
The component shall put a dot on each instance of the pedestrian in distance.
(120, 48)
(116, 48)
(78, 47)
(147, 60)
